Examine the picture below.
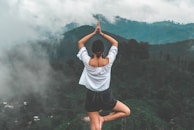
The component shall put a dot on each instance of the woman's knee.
(122, 108)
(127, 111)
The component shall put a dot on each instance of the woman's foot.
(86, 119)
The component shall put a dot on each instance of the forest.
(155, 81)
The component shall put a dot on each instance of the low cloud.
(23, 20)
(24, 69)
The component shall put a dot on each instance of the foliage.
(158, 90)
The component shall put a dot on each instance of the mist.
(23, 69)
(23, 21)
(27, 85)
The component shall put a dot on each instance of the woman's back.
(98, 62)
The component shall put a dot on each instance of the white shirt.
(96, 78)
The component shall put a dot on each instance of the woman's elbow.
(115, 44)
(80, 44)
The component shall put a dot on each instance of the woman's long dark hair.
(98, 48)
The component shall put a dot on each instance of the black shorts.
(96, 101)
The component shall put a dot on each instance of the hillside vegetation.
(148, 78)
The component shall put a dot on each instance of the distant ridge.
(67, 49)
(153, 33)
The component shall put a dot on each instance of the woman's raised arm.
(82, 42)
(107, 37)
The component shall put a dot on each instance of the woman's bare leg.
(96, 121)
(120, 111)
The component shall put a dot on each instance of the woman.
(96, 78)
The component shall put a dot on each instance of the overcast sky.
(21, 20)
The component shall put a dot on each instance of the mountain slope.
(153, 89)
(154, 33)
(68, 46)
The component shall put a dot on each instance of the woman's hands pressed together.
(98, 28)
